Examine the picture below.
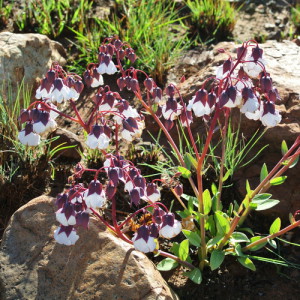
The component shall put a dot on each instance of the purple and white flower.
(199, 104)
(66, 215)
(98, 138)
(143, 241)
(171, 110)
(94, 196)
(169, 227)
(28, 137)
(270, 116)
(66, 235)
(254, 64)
(106, 65)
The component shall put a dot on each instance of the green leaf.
(222, 223)
(184, 172)
(214, 189)
(267, 204)
(167, 264)
(191, 198)
(261, 197)
(263, 172)
(227, 174)
(294, 163)
(195, 275)
(210, 225)
(175, 248)
(278, 180)
(238, 250)
(254, 239)
(273, 243)
(190, 161)
(193, 237)
(238, 237)
(183, 214)
(214, 241)
(247, 262)
(184, 250)
(248, 188)
(284, 147)
(216, 259)
(247, 229)
(275, 227)
(207, 201)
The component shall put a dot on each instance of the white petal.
(111, 68)
(31, 139)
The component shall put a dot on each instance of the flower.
(251, 103)
(152, 192)
(131, 129)
(66, 235)
(171, 110)
(43, 122)
(199, 103)
(169, 227)
(223, 70)
(28, 137)
(270, 116)
(98, 138)
(94, 197)
(143, 241)
(106, 65)
(254, 64)
(66, 215)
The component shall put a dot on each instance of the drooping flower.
(152, 192)
(132, 129)
(66, 235)
(251, 103)
(254, 63)
(106, 65)
(270, 116)
(43, 122)
(94, 196)
(169, 227)
(143, 241)
(171, 110)
(223, 70)
(98, 138)
(28, 137)
(199, 103)
(66, 215)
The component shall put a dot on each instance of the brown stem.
(271, 236)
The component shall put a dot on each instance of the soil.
(231, 281)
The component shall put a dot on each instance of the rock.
(28, 57)
(66, 138)
(270, 26)
(99, 266)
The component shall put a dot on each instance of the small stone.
(270, 26)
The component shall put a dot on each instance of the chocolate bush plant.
(211, 230)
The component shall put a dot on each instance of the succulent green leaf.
(266, 204)
(207, 201)
(263, 172)
(175, 248)
(184, 250)
(278, 180)
(261, 197)
(254, 239)
(184, 172)
(227, 174)
(275, 227)
(284, 147)
(222, 223)
(193, 237)
(216, 259)
(247, 262)
(195, 275)
(214, 241)
(239, 237)
(190, 161)
(273, 243)
(167, 264)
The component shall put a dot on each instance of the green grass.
(295, 18)
(210, 20)
(153, 28)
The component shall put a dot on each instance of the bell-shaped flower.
(132, 129)
(108, 102)
(28, 137)
(66, 235)
(97, 79)
(126, 111)
(171, 110)
(270, 116)
(60, 91)
(234, 97)
(75, 88)
(66, 215)
(254, 63)
(142, 240)
(45, 89)
(152, 192)
(106, 65)
(157, 94)
(169, 227)
(94, 196)
(44, 123)
(157, 215)
(98, 138)
(251, 103)
(199, 104)
(223, 70)
(186, 118)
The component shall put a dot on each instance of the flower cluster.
(75, 205)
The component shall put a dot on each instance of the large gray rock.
(28, 57)
(99, 266)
